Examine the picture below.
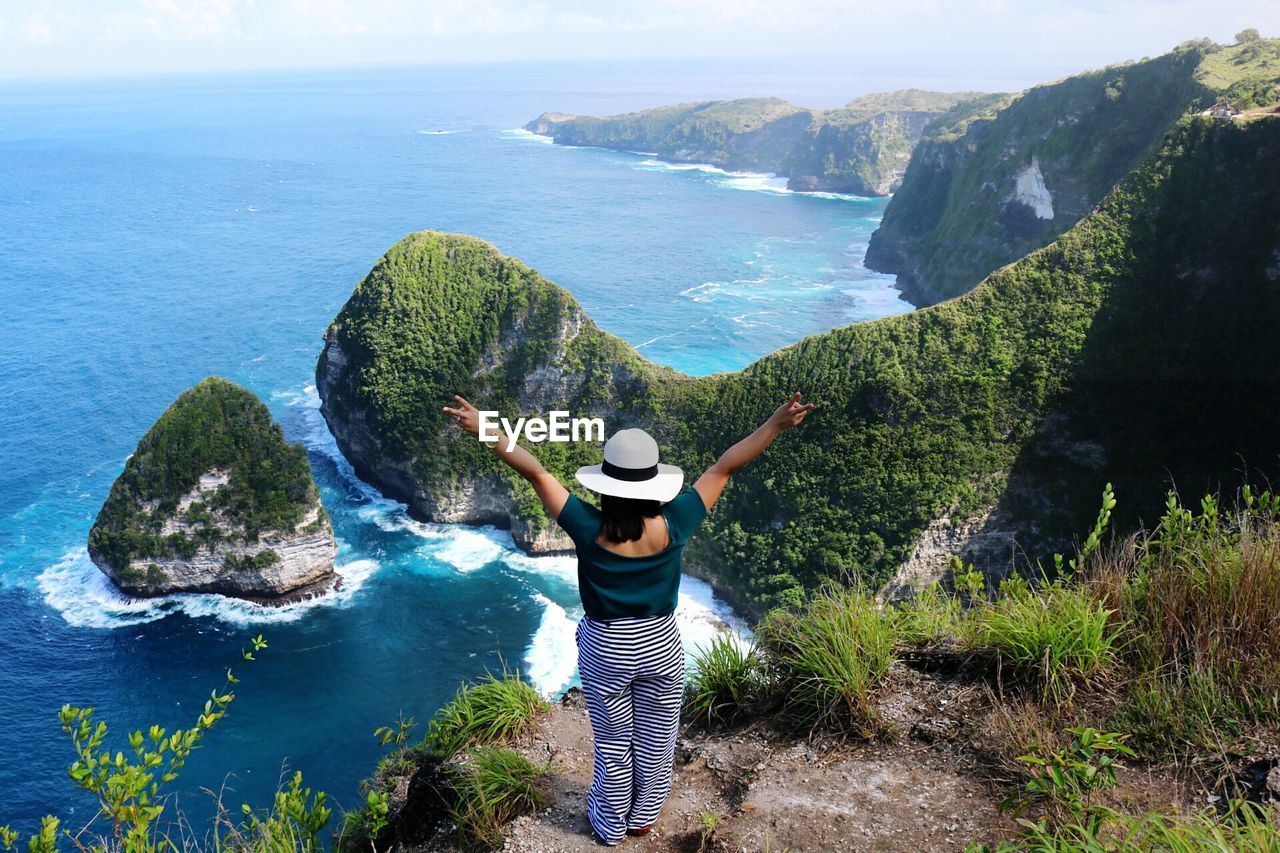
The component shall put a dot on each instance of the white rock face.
(304, 565)
(976, 540)
(1029, 188)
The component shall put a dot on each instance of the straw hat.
(631, 469)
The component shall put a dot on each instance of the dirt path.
(772, 794)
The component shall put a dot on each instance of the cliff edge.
(861, 148)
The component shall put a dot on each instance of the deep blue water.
(156, 231)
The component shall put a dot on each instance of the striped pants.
(633, 680)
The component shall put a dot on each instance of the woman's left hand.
(466, 416)
(790, 413)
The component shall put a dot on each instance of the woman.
(629, 652)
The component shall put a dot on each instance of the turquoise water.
(153, 232)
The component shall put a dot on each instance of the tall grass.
(727, 679)
(1245, 827)
(494, 709)
(928, 620)
(1059, 635)
(830, 659)
(1201, 600)
(492, 787)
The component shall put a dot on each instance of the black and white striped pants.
(633, 680)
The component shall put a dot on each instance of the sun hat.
(631, 469)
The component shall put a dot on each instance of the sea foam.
(86, 598)
(528, 136)
(551, 661)
(552, 656)
(768, 182)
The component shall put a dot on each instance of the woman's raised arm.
(712, 483)
(550, 491)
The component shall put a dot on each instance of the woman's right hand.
(789, 413)
(466, 416)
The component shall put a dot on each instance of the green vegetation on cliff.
(264, 483)
(862, 147)
(1001, 177)
(1137, 348)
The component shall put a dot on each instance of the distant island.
(861, 148)
(215, 500)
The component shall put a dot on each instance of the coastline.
(663, 163)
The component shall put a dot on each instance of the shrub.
(1063, 778)
(130, 788)
(494, 709)
(1201, 608)
(830, 658)
(727, 680)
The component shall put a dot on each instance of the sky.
(1036, 39)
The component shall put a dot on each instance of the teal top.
(613, 585)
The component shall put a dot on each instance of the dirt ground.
(935, 782)
(917, 791)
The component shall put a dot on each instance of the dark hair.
(623, 518)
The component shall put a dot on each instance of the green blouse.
(613, 585)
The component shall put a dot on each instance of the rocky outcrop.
(524, 345)
(861, 148)
(976, 541)
(213, 500)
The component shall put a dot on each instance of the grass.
(1245, 827)
(1060, 636)
(928, 620)
(1200, 597)
(483, 783)
(727, 678)
(494, 709)
(492, 787)
(830, 659)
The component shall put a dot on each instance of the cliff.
(214, 500)
(861, 148)
(1136, 348)
(999, 178)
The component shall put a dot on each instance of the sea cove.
(156, 232)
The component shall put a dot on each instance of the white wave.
(551, 661)
(703, 617)
(562, 567)
(440, 132)
(85, 598)
(769, 182)
(527, 135)
(759, 183)
(470, 548)
(316, 437)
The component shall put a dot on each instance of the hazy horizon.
(1011, 43)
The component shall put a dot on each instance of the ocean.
(154, 231)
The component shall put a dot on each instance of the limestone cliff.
(214, 500)
(861, 148)
(440, 314)
(1135, 349)
(999, 178)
